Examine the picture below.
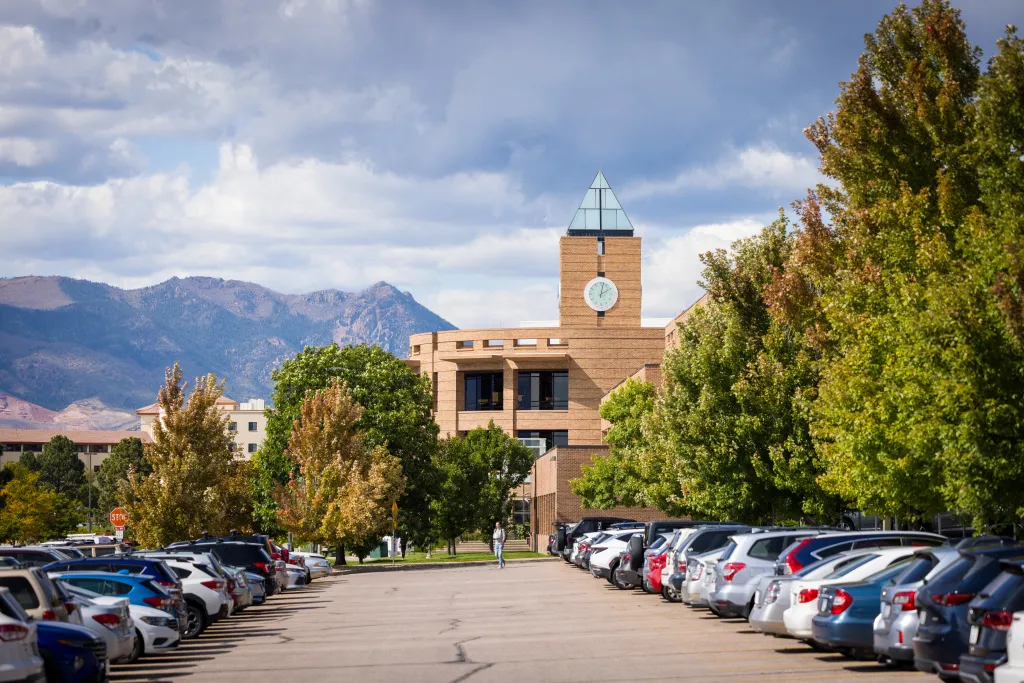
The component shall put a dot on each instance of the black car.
(252, 557)
(990, 616)
(943, 633)
(567, 535)
(810, 550)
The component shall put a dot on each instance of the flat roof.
(86, 437)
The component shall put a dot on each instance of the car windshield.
(845, 568)
(728, 550)
(9, 607)
(917, 569)
(893, 570)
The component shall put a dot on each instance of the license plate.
(886, 610)
(757, 598)
(823, 604)
(975, 632)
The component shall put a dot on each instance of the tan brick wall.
(579, 263)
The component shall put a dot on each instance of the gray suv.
(741, 565)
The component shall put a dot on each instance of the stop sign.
(118, 518)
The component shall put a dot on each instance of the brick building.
(544, 382)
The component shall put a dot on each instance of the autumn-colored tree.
(344, 489)
(32, 512)
(197, 484)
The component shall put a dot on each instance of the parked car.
(19, 649)
(251, 557)
(206, 593)
(34, 556)
(318, 565)
(703, 539)
(1013, 670)
(605, 557)
(34, 591)
(655, 569)
(743, 561)
(110, 621)
(772, 596)
(990, 616)
(803, 592)
(629, 572)
(943, 632)
(896, 624)
(816, 547)
(71, 654)
(699, 568)
(565, 535)
(155, 630)
(139, 589)
(847, 611)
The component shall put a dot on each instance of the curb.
(372, 568)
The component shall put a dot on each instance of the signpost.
(394, 532)
(119, 518)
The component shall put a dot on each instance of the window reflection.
(543, 391)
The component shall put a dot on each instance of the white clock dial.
(601, 293)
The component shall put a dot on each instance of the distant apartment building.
(247, 423)
(544, 382)
(93, 445)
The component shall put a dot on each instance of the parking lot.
(537, 621)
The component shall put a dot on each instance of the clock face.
(601, 293)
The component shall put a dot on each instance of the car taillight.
(997, 621)
(952, 599)
(111, 621)
(50, 615)
(12, 632)
(841, 602)
(792, 564)
(906, 600)
(214, 585)
(262, 566)
(773, 592)
(807, 594)
(166, 584)
(731, 569)
(275, 556)
(157, 602)
(625, 558)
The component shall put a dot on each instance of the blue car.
(71, 654)
(847, 611)
(114, 564)
(140, 589)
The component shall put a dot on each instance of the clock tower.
(599, 264)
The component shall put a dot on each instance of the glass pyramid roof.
(600, 211)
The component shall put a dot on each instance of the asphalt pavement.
(528, 623)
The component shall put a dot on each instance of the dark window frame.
(542, 390)
(478, 386)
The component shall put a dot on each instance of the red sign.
(118, 518)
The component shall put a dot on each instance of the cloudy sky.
(441, 146)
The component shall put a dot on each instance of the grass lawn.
(443, 556)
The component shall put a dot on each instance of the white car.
(803, 597)
(296, 577)
(110, 620)
(318, 565)
(155, 630)
(1013, 670)
(696, 569)
(19, 649)
(607, 552)
(204, 584)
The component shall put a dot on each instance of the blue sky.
(441, 146)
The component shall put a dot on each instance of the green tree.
(461, 475)
(125, 457)
(196, 483)
(396, 404)
(32, 512)
(508, 464)
(59, 466)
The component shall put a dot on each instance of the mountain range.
(85, 354)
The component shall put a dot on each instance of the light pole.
(88, 481)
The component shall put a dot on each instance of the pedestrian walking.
(499, 543)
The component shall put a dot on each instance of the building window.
(232, 426)
(95, 468)
(253, 447)
(520, 511)
(552, 438)
(252, 426)
(543, 391)
(483, 391)
(600, 246)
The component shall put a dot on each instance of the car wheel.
(670, 594)
(611, 572)
(195, 621)
(847, 524)
(139, 649)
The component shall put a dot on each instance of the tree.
(461, 476)
(508, 464)
(59, 466)
(396, 415)
(128, 455)
(617, 478)
(196, 483)
(344, 489)
(32, 512)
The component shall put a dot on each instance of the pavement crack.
(466, 675)
(460, 652)
(452, 625)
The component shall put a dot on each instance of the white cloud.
(26, 152)
(762, 167)
(672, 267)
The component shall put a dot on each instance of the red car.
(656, 564)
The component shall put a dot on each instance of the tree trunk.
(339, 560)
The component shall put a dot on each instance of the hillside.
(64, 341)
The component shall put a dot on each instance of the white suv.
(205, 587)
(19, 648)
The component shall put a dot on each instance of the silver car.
(896, 625)
(701, 578)
(743, 562)
(772, 596)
